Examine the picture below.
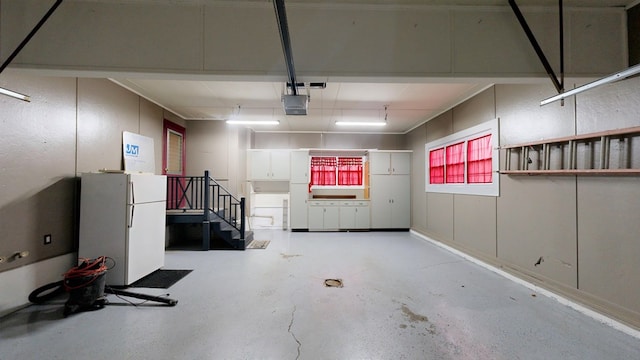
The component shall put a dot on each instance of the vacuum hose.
(36, 298)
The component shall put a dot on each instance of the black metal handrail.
(202, 193)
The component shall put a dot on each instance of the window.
(479, 160)
(350, 171)
(464, 162)
(454, 170)
(336, 171)
(436, 169)
(323, 170)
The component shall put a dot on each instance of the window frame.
(490, 127)
(320, 187)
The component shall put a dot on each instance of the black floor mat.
(161, 278)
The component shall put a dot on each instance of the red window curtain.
(454, 172)
(350, 171)
(323, 170)
(436, 166)
(479, 160)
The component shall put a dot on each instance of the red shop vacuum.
(85, 284)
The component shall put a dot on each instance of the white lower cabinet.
(324, 215)
(354, 215)
(332, 215)
(390, 202)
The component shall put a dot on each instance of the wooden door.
(173, 162)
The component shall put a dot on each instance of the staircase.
(202, 200)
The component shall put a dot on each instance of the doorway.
(173, 159)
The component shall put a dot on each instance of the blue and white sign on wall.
(138, 153)
(132, 150)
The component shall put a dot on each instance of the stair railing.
(203, 193)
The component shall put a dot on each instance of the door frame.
(171, 126)
(172, 191)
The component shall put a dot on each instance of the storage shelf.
(585, 154)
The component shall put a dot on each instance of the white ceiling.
(408, 104)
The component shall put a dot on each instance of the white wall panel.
(105, 110)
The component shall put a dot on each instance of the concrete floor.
(403, 298)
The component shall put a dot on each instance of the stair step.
(230, 235)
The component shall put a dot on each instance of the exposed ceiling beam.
(281, 17)
(30, 35)
(20, 47)
(547, 66)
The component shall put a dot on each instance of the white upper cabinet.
(390, 162)
(269, 165)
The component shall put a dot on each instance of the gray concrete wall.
(584, 227)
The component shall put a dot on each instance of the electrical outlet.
(47, 239)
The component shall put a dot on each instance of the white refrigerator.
(122, 216)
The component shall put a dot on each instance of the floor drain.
(333, 283)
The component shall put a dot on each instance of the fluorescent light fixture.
(360, 123)
(253, 122)
(609, 79)
(14, 94)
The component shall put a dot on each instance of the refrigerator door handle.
(130, 225)
(133, 193)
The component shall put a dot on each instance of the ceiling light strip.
(609, 79)
(14, 94)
